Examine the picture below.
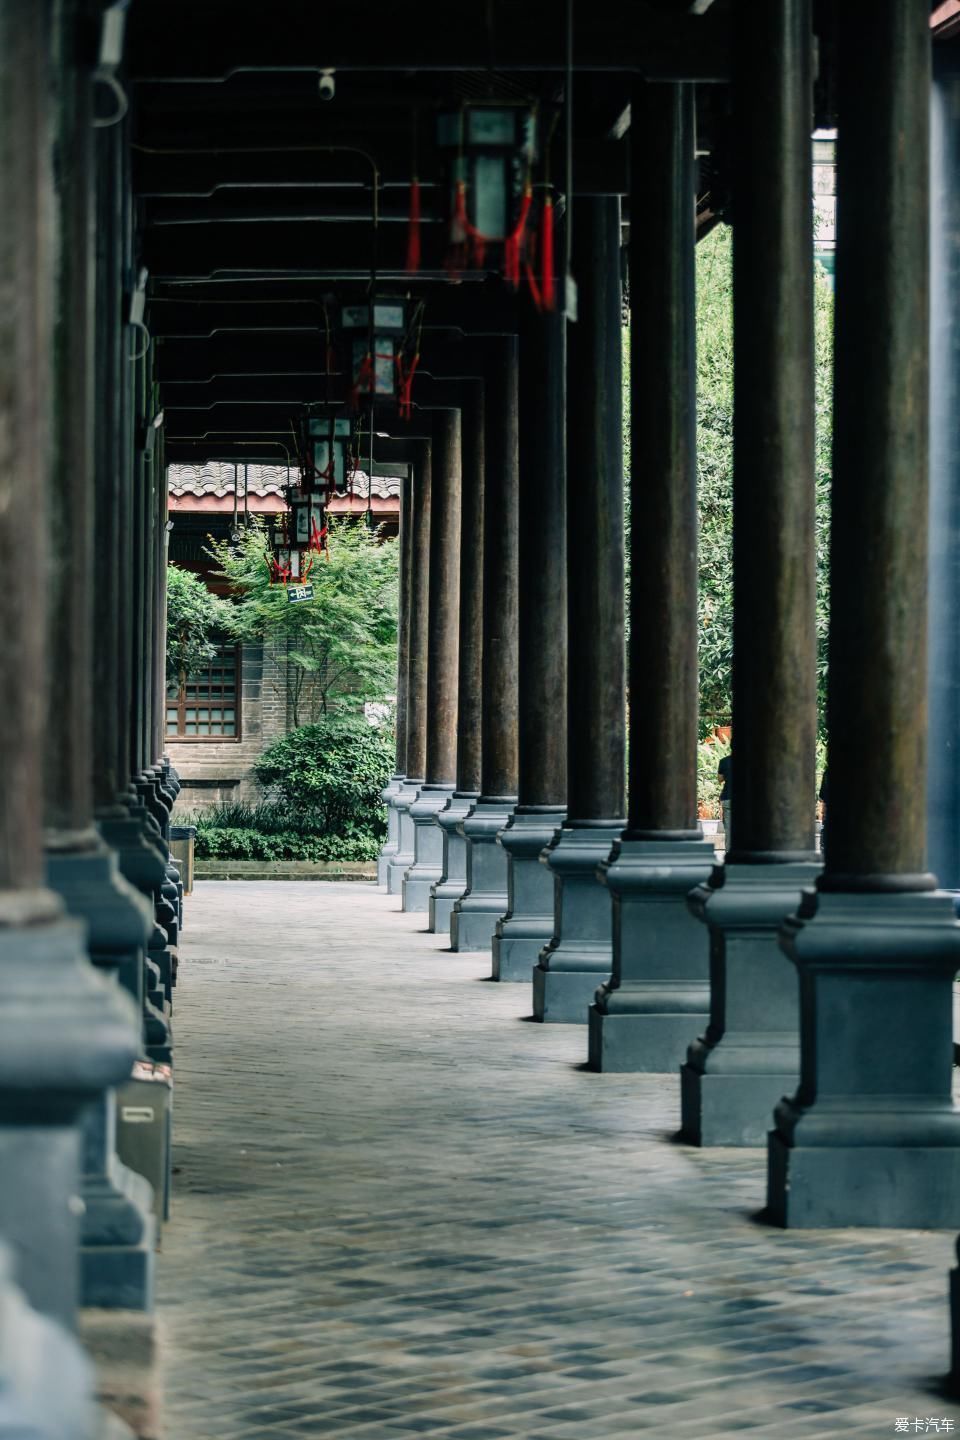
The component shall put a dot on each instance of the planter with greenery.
(322, 785)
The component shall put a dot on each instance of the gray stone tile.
(401, 1213)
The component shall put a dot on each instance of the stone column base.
(46, 1382)
(528, 924)
(750, 1054)
(474, 916)
(718, 1108)
(580, 954)
(872, 1136)
(912, 1187)
(640, 1044)
(124, 1346)
(118, 1228)
(659, 992)
(389, 849)
(427, 868)
(66, 1035)
(399, 864)
(448, 890)
(119, 918)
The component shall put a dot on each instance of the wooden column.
(871, 1136)
(528, 922)
(443, 623)
(754, 1023)
(416, 766)
(64, 1034)
(484, 901)
(579, 956)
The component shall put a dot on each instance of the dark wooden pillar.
(68, 732)
(110, 772)
(404, 540)
(470, 688)
(658, 992)
(943, 785)
(449, 889)
(393, 787)
(484, 901)
(579, 955)
(754, 1021)
(415, 765)
(499, 755)
(943, 779)
(444, 616)
(872, 1137)
(443, 623)
(64, 1034)
(542, 651)
(596, 721)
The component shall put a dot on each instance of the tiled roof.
(219, 477)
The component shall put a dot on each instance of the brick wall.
(216, 772)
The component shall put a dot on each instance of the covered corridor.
(322, 237)
(400, 1210)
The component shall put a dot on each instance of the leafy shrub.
(328, 777)
(236, 842)
(194, 618)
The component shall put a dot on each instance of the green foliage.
(222, 842)
(194, 616)
(328, 777)
(275, 831)
(341, 644)
(715, 471)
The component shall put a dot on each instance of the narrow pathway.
(401, 1210)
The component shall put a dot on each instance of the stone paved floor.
(402, 1211)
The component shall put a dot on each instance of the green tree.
(715, 471)
(194, 617)
(341, 644)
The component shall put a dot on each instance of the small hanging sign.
(297, 593)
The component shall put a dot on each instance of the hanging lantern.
(372, 349)
(330, 444)
(491, 150)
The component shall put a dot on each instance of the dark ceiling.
(255, 195)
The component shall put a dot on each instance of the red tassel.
(547, 284)
(413, 229)
(364, 378)
(511, 246)
(463, 234)
(459, 229)
(405, 386)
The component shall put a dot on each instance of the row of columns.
(806, 1006)
(90, 905)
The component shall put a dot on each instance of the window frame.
(178, 737)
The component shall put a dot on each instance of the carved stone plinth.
(528, 923)
(448, 890)
(580, 954)
(400, 862)
(659, 992)
(474, 916)
(872, 1136)
(390, 845)
(427, 868)
(749, 1055)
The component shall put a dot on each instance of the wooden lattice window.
(207, 705)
